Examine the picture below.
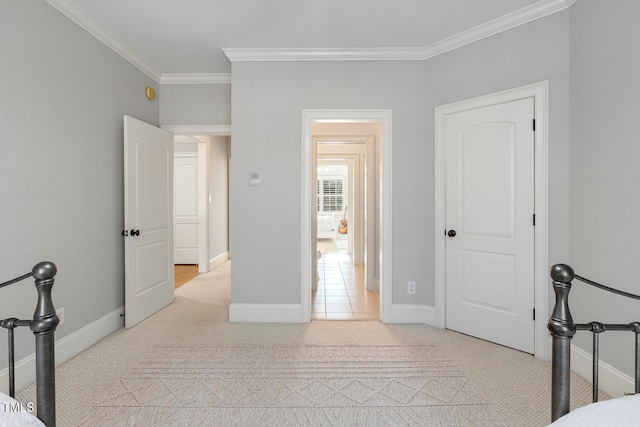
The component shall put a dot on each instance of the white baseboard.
(66, 348)
(610, 380)
(266, 313)
(405, 313)
(219, 260)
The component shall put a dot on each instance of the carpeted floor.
(321, 384)
(188, 366)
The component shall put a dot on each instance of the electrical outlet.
(411, 288)
(60, 313)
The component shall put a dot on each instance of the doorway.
(213, 153)
(378, 270)
(342, 291)
(190, 206)
(537, 96)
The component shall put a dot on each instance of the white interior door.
(489, 217)
(148, 178)
(185, 210)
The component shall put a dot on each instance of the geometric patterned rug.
(294, 385)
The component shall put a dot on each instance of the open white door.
(148, 218)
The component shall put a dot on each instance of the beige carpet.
(496, 385)
(325, 385)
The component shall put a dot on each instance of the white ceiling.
(187, 36)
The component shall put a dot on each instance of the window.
(330, 192)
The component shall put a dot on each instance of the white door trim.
(307, 275)
(222, 130)
(540, 93)
(203, 206)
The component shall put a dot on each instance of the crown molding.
(99, 32)
(321, 54)
(196, 78)
(515, 19)
(520, 17)
(523, 16)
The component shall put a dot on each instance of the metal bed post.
(562, 331)
(12, 361)
(10, 324)
(43, 325)
(636, 331)
(597, 328)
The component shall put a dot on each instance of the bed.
(43, 325)
(14, 413)
(622, 411)
(326, 226)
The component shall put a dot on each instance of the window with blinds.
(330, 193)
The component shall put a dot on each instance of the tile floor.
(341, 294)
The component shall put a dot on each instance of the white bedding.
(623, 411)
(13, 413)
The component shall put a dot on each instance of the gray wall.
(267, 100)
(605, 154)
(63, 95)
(267, 103)
(195, 104)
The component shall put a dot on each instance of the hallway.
(341, 294)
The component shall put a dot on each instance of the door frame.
(540, 93)
(203, 179)
(309, 116)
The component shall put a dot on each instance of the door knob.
(135, 232)
(451, 233)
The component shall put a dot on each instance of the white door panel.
(186, 220)
(148, 177)
(485, 280)
(487, 163)
(490, 205)
(186, 236)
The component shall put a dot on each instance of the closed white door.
(148, 216)
(490, 223)
(185, 210)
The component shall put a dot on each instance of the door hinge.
(534, 125)
(534, 220)
(534, 314)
